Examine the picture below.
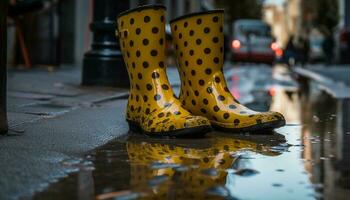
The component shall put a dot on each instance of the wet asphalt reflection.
(294, 162)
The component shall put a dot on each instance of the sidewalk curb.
(336, 89)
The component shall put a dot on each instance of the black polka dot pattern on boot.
(157, 97)
(145, 64)
(207, 50)
(146, 19)
(226, 115)
(208, 71)
(201, 82)
(205, 101)
(149, 87)
(145, 98)
(145, 42)
(155, 75)
(161, 64)
(155, 30)
(209, 90)
(221, 98)
(216, 108)
(165, 87)
(216, 60)
(193, 72)
(193, 102)
(154, 52)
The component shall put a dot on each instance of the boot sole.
(194, 132)
(267, 126)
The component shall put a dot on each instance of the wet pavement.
(333, 79)
(306, 159)
(53, 118)
(56, 126)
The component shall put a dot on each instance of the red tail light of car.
(272, 91)
(274, 46)
(236, 44)
(279, 52)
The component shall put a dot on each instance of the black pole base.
(103, 65)
(104, 71)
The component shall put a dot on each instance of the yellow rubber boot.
(152, 108)
(199, 40)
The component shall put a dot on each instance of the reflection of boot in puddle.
(187, 171)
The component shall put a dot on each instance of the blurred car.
(252, 42)
(316, 52)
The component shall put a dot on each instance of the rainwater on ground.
(307, 159)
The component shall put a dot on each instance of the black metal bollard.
(3, 44)
(103, 64)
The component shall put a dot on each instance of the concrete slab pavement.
(53, 121)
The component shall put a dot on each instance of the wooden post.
(3, 49)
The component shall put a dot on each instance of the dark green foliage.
(327, 14)
(324, 14)
(251, 9)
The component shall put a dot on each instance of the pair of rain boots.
(205, 100)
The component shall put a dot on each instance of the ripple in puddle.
(119, 195)
(157, 180)
(246, 172)
(210, 172)
(159, 165)
(218, 191)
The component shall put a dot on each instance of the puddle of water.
(217, 167)
(308, 161)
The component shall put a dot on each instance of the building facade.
(344, 13)
(285, 20)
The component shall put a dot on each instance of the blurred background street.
(62, 109)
